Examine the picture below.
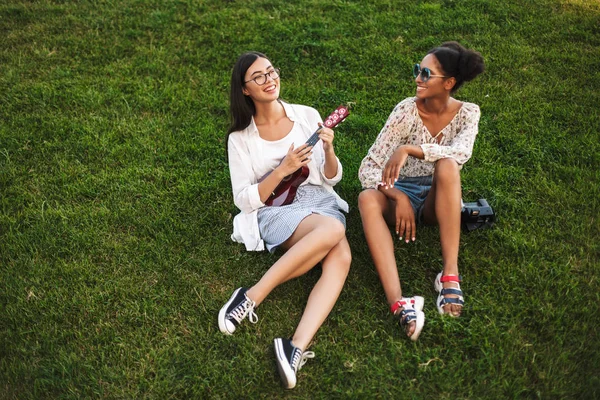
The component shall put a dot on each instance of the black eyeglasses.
(262, 78)
(425, 73)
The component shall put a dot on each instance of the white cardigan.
(245, 155)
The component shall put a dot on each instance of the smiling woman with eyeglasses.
(411, 174)
(265, 144)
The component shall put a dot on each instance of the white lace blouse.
(405, 126)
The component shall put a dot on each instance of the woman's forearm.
(414, 151)
(267, 186)
(331, 164)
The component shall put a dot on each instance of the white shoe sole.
(419, 304)
(418, 326)
(223, 312)
(283, 366)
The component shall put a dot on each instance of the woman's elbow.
(243, 204)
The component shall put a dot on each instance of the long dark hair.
(241, 107)
(458, 62)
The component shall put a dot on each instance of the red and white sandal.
(412, 310)
(442, 300)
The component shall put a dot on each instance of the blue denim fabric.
(417, 189)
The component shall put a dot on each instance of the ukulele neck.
(314, 138)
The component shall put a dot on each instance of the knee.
(342, 258)
(367, 201)
(334, 232)
(447, 170)
(345, 259)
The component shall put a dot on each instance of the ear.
(449, 84)
(245, 91)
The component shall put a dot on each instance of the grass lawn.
(116, 206)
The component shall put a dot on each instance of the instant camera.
(476, 215)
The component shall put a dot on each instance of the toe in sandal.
(412, 310)
(442, 300)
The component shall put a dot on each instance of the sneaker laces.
(245, 308)
(299, 358)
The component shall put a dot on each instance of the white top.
(405, 126)
(273, 150)
(250, 157)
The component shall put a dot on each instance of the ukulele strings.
(314, 138)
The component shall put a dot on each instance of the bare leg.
(442, 206)
(375, 208)
(325, 293)
(313, 239)
(316, 238)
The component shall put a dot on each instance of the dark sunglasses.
(425, 73)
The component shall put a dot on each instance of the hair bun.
(470, 64)
(459, 62)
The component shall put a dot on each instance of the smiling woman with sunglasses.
(266, 143)
(411, 174)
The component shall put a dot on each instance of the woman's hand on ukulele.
(326, 135)
(295, 158)
(393, 166)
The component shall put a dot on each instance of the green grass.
(115, 204)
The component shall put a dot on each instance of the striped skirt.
(278, 223)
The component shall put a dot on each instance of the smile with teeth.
(270, 88)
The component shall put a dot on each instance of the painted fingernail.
(414, 239)
(407, 240)
(400, 238)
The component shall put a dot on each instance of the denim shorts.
(416, 188)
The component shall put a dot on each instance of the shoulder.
(303, 111)
(403, 109)
(471, 108)
(237, 136)
(405, 105)
(407, 102)
(240, 138)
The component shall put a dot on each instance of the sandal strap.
(402, 303)
(452, 300)
(446, 291)
(407, 315)
(451, 278)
